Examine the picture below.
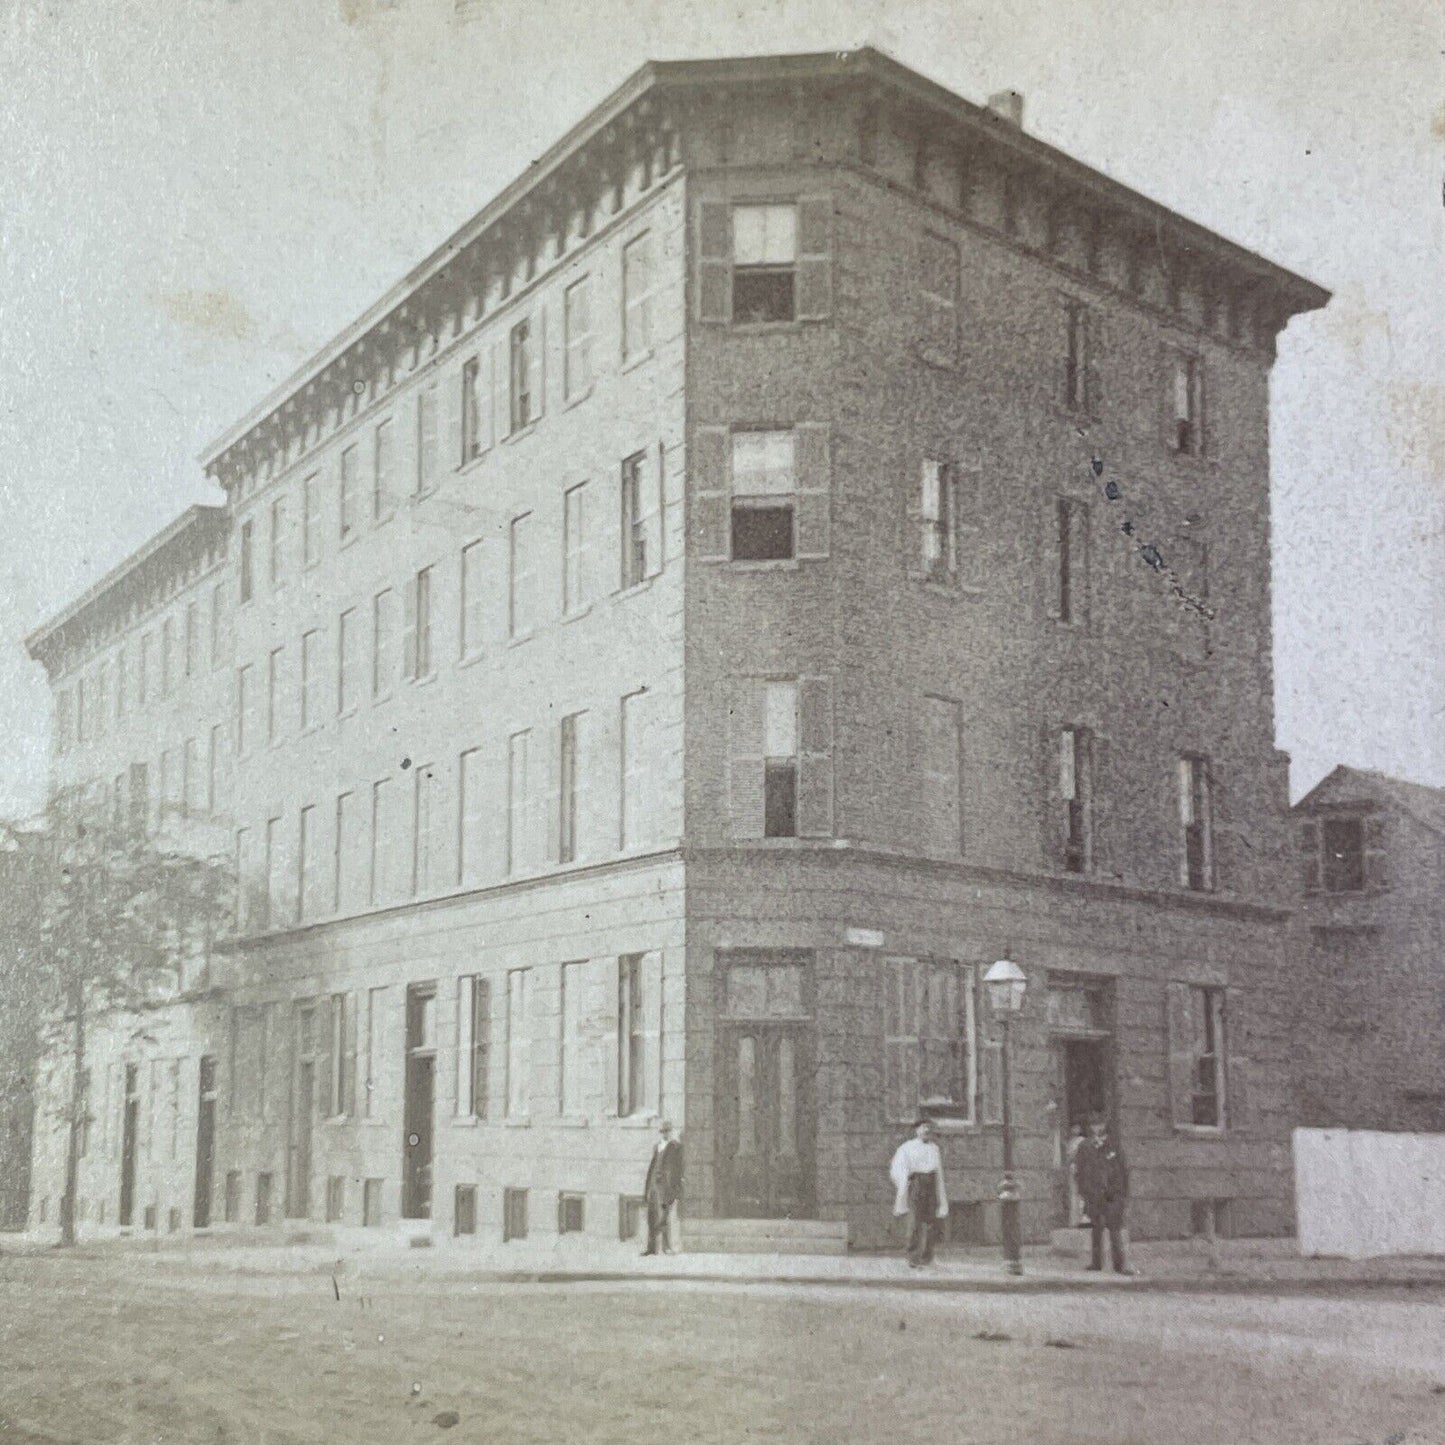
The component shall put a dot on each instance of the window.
(138, 793)
(383, 644)
(637, 825)
(381, 887)
(370, 1105)
(417, 659)
(763, 496)
(1196, 819)
(120, 681)
(102, 698)
(263, 1198)
(426, 440)
(569, 1059)
(168, 656)
(343, 1054)
(62, 721)
(279, 541)
(474, 1022)
(631, 1216)
(519, 804)
(311, 519)
(348, 641)
(213, 769)
(472, 819)
(220, 631)
(525, 371)
(371, 1203)
(273, 694)
(1071, 555)
(571, 1214)
(192, 650)
(639, 1032)
(940, 777)
(780, 760)
(191, 778)
(244, 703)
(938, 298)
(310, 679)
(146, 677)
(519, 1043)
(1078, 362)
(464, 1210)
(335, 1197)
(1186, 431)
(635, 521)
(521, 578)
(514, 1214)
(425, 866)
(574, 548)
(472, 600)
(765, 254)
(1077, 792)
(307, 859)
(232, 1209)
(346, 893)
(938, 515)
(1343, 846)
(246, 563)
(271, 900)
(350, 492)
(471, 408)
(577, 328)
(1197, 1041)
(571, 787)
(637, 297)
(928, 1028)
(383, 477)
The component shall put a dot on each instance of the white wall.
(1359, 1194)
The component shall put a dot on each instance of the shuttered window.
(780, 758)
(938, 271)
(928, 1033)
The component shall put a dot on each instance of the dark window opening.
(763, 293)
(1076, 851)
(762, 533)
(263, 1199)
(232, 1212)
(465, 1211)
(514, 1214)
(335, 1198)
(570, 1214)
(780, 799)
(521, 360)
(631, 1211)
(1344, 849)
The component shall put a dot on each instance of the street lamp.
(1006, 986)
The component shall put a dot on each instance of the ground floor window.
(514, 1214)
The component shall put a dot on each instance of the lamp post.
(1006, 985)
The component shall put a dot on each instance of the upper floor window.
(1343, 853)
(637, 297)
(1077, 384)
(764, 496)
(350, 489)
(1076, 791)
(765, 257)
(168, 655)
(471, 408)
(575, 545)
(765, 261)
(383, 478)
(247, 561)
(417, 658)
(191, 642)
(1343, 850)
(521, 578)
(426, 440)
(938, 520)
(473, 599)
(1186, 431)
(634, 521)
(279, 529)
(577, 337)
(311, 711)
(525, 373)
(1069, 579)
(1196, 820)
(311, 519)
(1197, 1056)
(938, 297)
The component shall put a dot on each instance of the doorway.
(1081, 1029)
(205, 1145)
(763, 1077)
(130, 1122)
(420, 1101)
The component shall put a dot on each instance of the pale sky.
(197, 194)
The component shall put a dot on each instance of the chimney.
(1008, 105)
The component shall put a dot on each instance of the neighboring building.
(1370, 934)
(803, 539)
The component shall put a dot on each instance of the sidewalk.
(358, 1257)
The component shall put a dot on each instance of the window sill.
(1200, 1131)
(520, 638)
(350, 541)
(382, 521)
(518, 1123)
(460, 470)
(951, 1127)
(522, 431)
(768, 564)
(470, 659)
(578, 399)
(636, 1121)
(633, 588)
(756, 328)
(347, 713)
(570, 1121)
(425, 680)
(465, 1121)
(577, 612)
(631, 363)
(952, 590)
(379, 698)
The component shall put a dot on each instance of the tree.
(100, 920)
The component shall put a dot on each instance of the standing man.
(917, 1174)
(663, 1188)
(1102, 1176)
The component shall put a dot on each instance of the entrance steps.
(765, 1236)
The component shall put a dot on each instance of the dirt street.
(101, 1350)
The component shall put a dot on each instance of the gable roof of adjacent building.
(1344, 785)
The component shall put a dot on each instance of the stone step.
(751, 1244)
(765, 1236)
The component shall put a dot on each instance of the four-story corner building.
(805, 540)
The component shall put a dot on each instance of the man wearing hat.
(663, 1188)
(917, 1174)
(1102, 1176)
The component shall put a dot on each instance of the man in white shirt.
(917, 1174)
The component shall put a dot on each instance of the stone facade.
(920, 570)
(1368, 942)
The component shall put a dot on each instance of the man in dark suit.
(1102, 1175)
(663, 1188)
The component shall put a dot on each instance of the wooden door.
(766, 1121)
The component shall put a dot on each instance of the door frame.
(422, 1051)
